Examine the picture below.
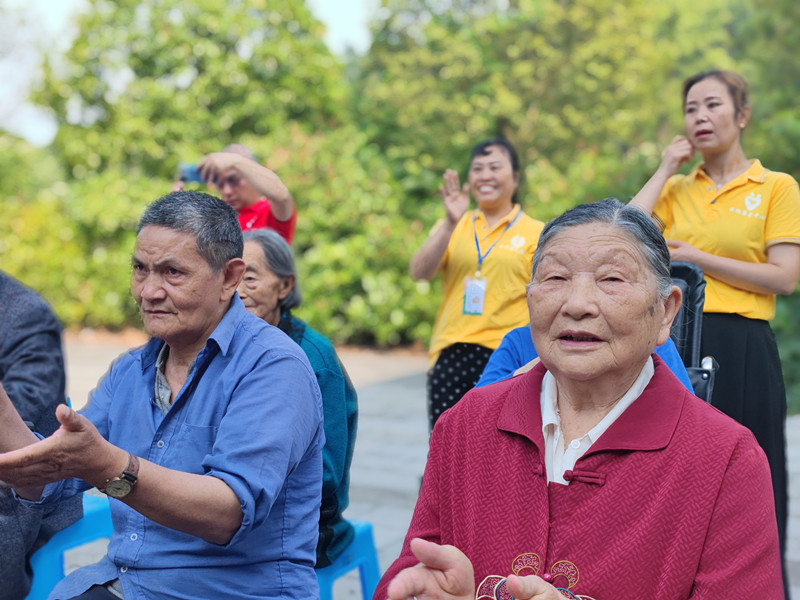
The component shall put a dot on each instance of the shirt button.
(123, 569)
(575, 444)
(160, 443)
(134, 537)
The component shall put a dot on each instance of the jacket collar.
(647, 424)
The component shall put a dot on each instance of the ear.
(232, 274)
(671, 306)
(744, 117)
(287, 285)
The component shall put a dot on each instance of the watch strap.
(130, 474)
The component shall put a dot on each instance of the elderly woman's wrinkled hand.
(531, 587)
(443, 573)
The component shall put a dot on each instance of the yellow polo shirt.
(756, 210)
(506, 268)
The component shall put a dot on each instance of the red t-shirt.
(259, 215)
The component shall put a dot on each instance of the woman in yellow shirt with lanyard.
(741, 224)
(484, 257)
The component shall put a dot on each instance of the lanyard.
(481, 258)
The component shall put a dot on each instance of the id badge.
(474, 295)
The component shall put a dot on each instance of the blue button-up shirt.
(250, 414)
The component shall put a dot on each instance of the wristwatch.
(121, 486)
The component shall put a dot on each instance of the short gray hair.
(213, 223)
(631, 220)
(280, 260)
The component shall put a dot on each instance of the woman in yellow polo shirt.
(484, 257)
(741, 224)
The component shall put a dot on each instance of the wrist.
(117, 463)
(123, 484)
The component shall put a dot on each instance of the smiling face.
(595, 311)
(181, 298)
(711, 118)
(261, 289)
(492, 180)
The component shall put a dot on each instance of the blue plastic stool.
(360, 553)
(48, 561)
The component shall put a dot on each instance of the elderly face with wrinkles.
(596, 311)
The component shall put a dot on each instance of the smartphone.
(188, 172)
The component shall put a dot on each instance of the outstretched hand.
(443, 573)
(454, 196)
(76, 449)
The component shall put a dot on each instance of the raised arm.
(425, 262)
(262, 179)
(678, 152)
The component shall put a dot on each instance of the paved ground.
(391, 447)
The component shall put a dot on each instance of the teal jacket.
(340, 411)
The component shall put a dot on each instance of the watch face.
(118, 488)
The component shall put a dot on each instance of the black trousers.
(96, 592)
(749, 387)
(456, 372)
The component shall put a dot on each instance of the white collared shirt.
(560, 457)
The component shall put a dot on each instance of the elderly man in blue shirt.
(208, 438)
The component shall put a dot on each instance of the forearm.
(200, 505)
(648, 196)
(759, 278)
(15, 432)
(269, 185)
(16, 435)
(426, 261)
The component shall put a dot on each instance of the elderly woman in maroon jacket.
(596, 474)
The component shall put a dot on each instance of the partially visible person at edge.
(32, 373)
(517, 354)
(207, 439)
(270, 291)
(259, 196)
(484, 256)
(596, 474)
(740, 223)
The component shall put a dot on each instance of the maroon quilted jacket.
(674, 501)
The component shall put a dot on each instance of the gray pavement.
(391, 447)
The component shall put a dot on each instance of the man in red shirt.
(257, 193)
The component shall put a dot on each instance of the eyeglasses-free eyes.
(231, 180)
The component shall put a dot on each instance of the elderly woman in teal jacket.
(269, 290)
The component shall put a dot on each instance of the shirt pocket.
(190, 446)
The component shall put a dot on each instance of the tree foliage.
(145, 83)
